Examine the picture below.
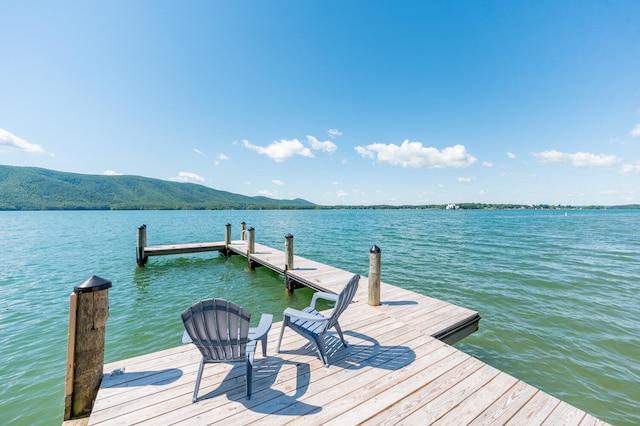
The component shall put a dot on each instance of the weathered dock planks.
(392, 372)
(183, 248)
(397, 369)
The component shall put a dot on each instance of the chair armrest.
(296, 314)
(262, 329)
(322, 295)
(186, 338)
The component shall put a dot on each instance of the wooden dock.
(398, 368)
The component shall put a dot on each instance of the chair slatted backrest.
(219, 329)
(344, 298)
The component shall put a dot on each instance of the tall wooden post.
(243, 231)
(251, 245)
(88, 313)
(288, 248)
(141, 243)
(374, 276)
(227, 238)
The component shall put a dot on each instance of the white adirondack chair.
(220, 330)
(312, 325)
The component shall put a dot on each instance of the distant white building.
(452, 207)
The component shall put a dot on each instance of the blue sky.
(336, 102)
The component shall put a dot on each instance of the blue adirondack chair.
(220, 330)
(312, 325)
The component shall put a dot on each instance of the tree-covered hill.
(32, 188)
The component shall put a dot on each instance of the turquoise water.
(558, 295)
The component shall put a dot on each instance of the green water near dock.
(559, 295)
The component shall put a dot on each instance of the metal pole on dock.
(288, 248)
(141, 243)
(88, 313)
(374, 276)
(227, 239)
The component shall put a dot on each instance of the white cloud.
(281, 150)
(334, 183)
(221, 157)
(413, 154)
(334, 133)
(111, 173)
(326, 146)
(341, 194)
(487, 164)
(266, 193)
(511, 156)
(10, 140)
(364, 152)
(466, 180)
(197, 151)
(631, 168)
(277, 182)
(635, 132)
(188, 177)
(579, 159)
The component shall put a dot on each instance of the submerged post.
(141, 243)
(227, 239)
(88, 313)
(243, 231)
(288, 248)
(374, 276)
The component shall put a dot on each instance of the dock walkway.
(395, 370)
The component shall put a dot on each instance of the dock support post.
(141, 243)
(243, 231)
(374, 276)
(251, 245)
(288, 248)
(227, 238)
(88, 313)
(288, 262)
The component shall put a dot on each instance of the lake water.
(559, 295)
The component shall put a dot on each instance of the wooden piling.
(251, 246)
(288, 248)
(88, 313)
(227, 239)
(374, 276)
(141, 243)
(243, 231)
(71, 352)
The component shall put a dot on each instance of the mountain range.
(33, 188)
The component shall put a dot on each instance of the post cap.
(92, 284)
(288, 236)
(228, 224)
(375, 249)
(142, 226)
(251, 229)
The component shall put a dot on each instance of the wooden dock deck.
(394, 371)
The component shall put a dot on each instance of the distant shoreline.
(461, 206)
